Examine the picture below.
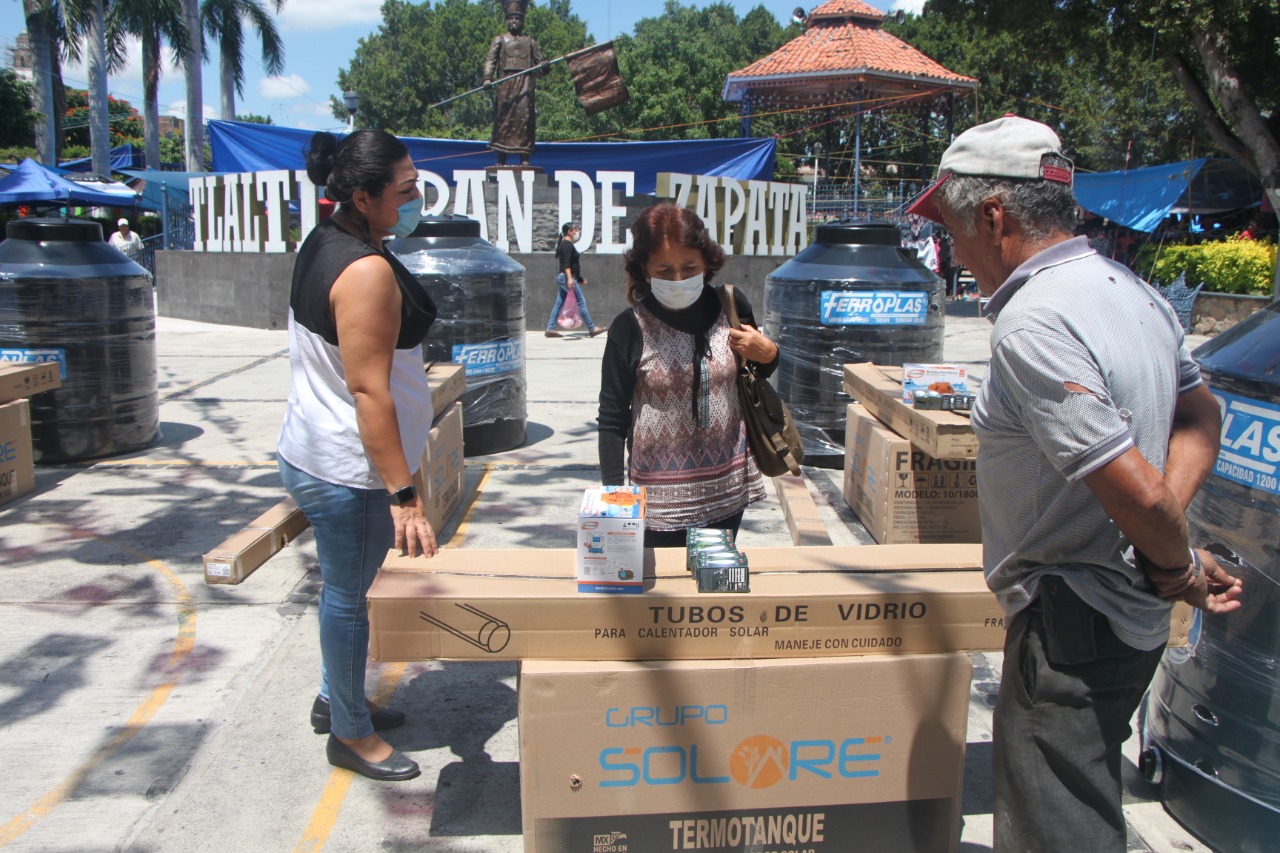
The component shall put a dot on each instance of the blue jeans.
(562, 293)
(353, 529)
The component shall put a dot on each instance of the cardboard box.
(800, 511)
(902, 494)
(610, 553)
(943, 435)
(942, 378)
(19, 380)
(439, 479)
(448, 382)
(17, 461)
(804, 602)
(836, 755)
(242, 553)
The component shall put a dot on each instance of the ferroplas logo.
(874, 308)
(759, 761)
(490, 358)
(609, 842)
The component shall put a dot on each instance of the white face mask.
(677, 295)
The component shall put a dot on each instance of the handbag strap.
(725, 292)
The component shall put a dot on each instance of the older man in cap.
(125, 239)
(1095, 431)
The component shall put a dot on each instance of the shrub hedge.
(1232, 265)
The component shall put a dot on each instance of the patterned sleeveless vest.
(688, 442)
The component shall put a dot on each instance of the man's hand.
(1216, 591)
(1202, 584)
(488, 84)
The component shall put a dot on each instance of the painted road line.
(183, 643)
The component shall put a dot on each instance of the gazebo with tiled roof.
(843, 58)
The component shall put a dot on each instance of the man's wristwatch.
(400, 497)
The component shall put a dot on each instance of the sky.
(321, 36)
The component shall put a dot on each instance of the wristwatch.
(400, 497)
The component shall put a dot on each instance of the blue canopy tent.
(31, 183)
(1141, 198)
(247, 147)
(122, 157)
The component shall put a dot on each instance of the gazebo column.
(746, 115)
(857, 149)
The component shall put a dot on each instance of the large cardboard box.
(803, 521)
(836, 755)
(18, 380)
(610, 556)
(448, 382)
(17, 462)
(943, 435)
(804, 602)
(902, 494)
(242, 553)
(439, 479)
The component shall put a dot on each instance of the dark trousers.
(1058, 732)
(675, 538)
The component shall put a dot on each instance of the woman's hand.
(749, 344)
(414, 534)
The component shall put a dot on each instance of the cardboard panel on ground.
(943, 435)
(18, 380)
(439, 479)
(17, 461)
(801, 513)
(832, 756)
(902, 494)
(242, 553)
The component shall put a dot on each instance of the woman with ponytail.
(569, 275)
(357, 420)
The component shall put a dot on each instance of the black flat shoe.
(383, 718)
(396, 767)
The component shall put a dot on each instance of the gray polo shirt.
(1070, 315)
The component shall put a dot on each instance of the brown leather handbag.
(771, 432)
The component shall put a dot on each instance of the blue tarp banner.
(246, 147)
(157, 184)
(1141, 198)
(31, 183)
(122, 157)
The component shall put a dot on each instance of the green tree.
(126, 125)
(252, 118)
(224, 21)
(17, 118)
(152, 22)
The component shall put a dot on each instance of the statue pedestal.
(508, 167)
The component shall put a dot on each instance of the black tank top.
(328, 250)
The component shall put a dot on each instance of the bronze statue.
(514, 117)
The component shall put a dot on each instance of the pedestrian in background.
(668, 388)
(569, 276)
(357, 419)
(125, 239)
(1095, 431)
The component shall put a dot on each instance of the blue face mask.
(409, 214)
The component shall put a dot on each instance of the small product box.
(611, 540)
(723, 571)
(702, 540)
(942, 379)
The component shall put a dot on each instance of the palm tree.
(152, 22)
(192, 59)
(224, 21)
(86, 34)
(40, 35)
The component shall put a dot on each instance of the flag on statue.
(596, 78)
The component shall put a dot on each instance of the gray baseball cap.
(1009, 147)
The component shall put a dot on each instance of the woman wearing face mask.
(569, 276)
(357, 420)
(668, 383)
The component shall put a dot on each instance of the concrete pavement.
(143, 710)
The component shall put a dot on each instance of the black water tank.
(854, 295)
(67, 296)
(1211, 723)
(479, 293)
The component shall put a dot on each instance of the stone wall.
(252, 290)
(1217, 312)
